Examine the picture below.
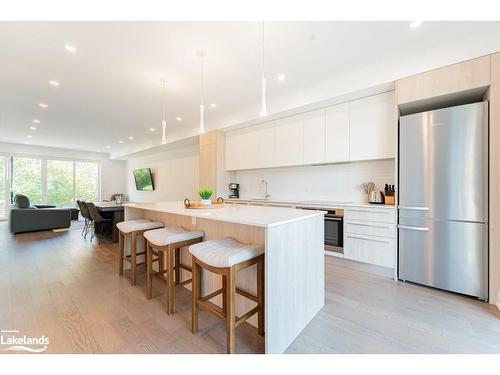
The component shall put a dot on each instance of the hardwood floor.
(66, 288)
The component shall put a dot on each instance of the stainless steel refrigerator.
(443, 199)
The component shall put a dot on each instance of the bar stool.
(133, 229)
(166, 243)
(226, 257)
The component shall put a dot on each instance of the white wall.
(337, 182)
(112, 171)
(175, 175)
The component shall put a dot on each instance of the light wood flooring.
(64, 287)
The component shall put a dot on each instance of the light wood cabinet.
(495, 68)
(337, 133)
(450, 79)
(314, 137)
(288, 141)
(372, 127)
(211, 162)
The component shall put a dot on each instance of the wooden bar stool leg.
(149, 269)
(260, 297)
(231, 306)
(195, 294)
(133, 258)
(224, 293)
(170, 280)
(121, 246)
(177, 266)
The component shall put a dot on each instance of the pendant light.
(164, 121)
(202, 55)
(263, 106)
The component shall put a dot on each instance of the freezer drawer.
(445, 254)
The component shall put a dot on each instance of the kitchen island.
(294, 258)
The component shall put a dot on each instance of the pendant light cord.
(263, 48)
(164, 83)
(202, 55)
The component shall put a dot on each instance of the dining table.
(115, 212)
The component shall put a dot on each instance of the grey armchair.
(23, 217)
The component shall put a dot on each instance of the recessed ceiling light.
(28, 136)
(130, 137)
(36, 121)
(120, 141)
(98, 150)
(415, 24)
(43, 105)
(108, 146)
(26, 143)
(54, 83)
(281, 77)
(213, 105)
(178, 118)
(70, 48)
(33, 128)
(152, 129)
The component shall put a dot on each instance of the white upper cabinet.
(250, 148)
(337, 133)
(363, 129)
(314, 137)
(373, 127)
(289, 147)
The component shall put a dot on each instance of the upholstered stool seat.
(226, 257)
(165, 244)
(137, 225)
(225, 253)
(133, 229)
(170, 235)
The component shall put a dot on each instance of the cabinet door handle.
(367, 239)
(371, 211)
(368, 225)
(422, 229)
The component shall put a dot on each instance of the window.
(86, 181)
(3, 190)
(60, 187)
(27, 178)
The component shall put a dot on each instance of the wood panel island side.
(294, 258)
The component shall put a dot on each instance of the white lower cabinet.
(369, 241)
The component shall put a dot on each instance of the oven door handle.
(327, 218)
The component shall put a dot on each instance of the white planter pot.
(206, 202)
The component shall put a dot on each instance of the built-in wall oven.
(334, 229)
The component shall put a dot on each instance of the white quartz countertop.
(260, 216)
(311, 203)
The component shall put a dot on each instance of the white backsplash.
(338, 182)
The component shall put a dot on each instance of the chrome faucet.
(266, 196)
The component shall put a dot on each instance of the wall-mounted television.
(143, 179)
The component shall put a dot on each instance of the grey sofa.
(24, 217)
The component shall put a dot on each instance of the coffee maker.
(234, 190)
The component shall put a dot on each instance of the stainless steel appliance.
(443, 199)
(234, 190)
(376, 197)
(334, 229)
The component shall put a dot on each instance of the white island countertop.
(260, 216)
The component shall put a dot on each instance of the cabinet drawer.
(370, 214)
(369, 228)
(370, 249)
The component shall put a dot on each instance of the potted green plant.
(206, 196)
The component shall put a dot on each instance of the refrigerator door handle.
(422, 229)
(416, 208)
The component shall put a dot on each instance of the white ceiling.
(110, 88)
